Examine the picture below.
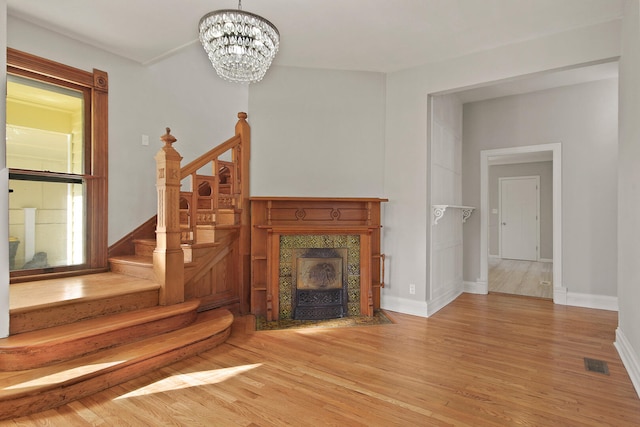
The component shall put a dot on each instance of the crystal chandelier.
(240, 45)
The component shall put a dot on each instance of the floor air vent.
(595, 365)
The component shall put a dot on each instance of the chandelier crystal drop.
(240, 45)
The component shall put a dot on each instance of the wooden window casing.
(96, 83)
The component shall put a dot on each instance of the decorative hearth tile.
(286, 300)
(285, 269)
(285, 255)
(341, 240)
(316, 242)
(298, 241)
(286, 242)
(353, 308)
(328, 241)
(354, 286)
(285, 262)
(378, 318)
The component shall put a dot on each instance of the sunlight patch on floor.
(192, 379)
(60, 377)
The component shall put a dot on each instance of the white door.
(519, 217)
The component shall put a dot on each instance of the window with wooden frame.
(57, 155)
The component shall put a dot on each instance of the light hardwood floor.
(528, 278)
(484, 360)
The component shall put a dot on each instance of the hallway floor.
(528, 278)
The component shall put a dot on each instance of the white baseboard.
(476, 287)
(601, 302)
(427, 308)
(441, 301)
(418, 308)
(493, 256)
(404, 305)
(545, 260)
(560, 295)
(629, 358)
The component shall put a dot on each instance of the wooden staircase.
(198, 246)
(199, 261)
(74, 336)
(94, 338)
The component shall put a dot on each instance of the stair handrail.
(209, 156)
(235, 144)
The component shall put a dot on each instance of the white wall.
(445, 171)
(181, 92)
(584, 119)
(4, 181)
(628, 333)
(317, 133)
(406, 214)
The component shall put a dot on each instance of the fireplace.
(319, 285)
(315, 257)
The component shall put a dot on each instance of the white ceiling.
(363, 35)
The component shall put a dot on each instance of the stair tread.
(143, 260)
(29, 296)
(202, 245)
(228, 226)
(95, 326)
(145, 241)
(29, 382)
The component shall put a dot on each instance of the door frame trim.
(559, 291)
(513, 178)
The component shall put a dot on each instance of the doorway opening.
(488, 224)
(516, 267)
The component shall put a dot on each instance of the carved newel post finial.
(168, 138)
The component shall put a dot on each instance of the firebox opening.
(320, 285)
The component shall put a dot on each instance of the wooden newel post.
(244, 132)
(168, 258)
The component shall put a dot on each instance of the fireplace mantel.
(317, 221)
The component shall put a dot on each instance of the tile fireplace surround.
(284, 228)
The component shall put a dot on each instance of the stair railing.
(178, 217)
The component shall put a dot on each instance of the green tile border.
(323, 241)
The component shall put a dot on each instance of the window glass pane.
(44, 126)
(46, 224)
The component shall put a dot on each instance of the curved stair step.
(140, 266)
(47, 346)
(144, 247)
(34, 390)
(44, 304)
